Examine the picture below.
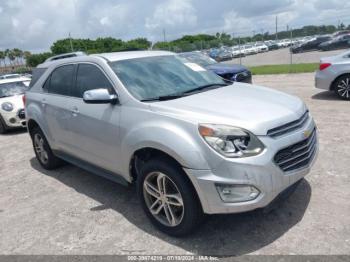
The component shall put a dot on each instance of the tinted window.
(61, 80)
(37, 73)
(90, 77)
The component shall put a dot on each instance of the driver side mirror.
(100, 96)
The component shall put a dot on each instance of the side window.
(37, 73)
(47, 84)
(90, 77)
(61, 80)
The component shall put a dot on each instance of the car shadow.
(224, 235)
(15, 131)
(326, 95)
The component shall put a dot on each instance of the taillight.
(24, 100)
(323, 66)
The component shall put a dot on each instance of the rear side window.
(61, 80)
(36, 74)
(90, 77)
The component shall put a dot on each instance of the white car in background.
(249, 50)
(261, 47)
(10, 76)
(12, 113)
(334, 75)
(237, 51)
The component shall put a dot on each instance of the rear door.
(94, 128)
(56, 104)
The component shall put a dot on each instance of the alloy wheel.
(163, 199)
(344, 88)
(39, 148)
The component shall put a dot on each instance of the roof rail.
(66, 55)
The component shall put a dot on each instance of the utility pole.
(276, 28)
(164, 38)
(71, 44)
(262, 34)
(240, 54)
(290, 51)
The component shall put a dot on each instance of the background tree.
(2, 58)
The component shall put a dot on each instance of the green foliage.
(284, 69)
(22, 70)
(35, 59)
(100, 45)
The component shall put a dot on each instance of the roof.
(12, 80)
(117, 56)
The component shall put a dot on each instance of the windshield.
(11, 89)
(152, 77)
(200, 59)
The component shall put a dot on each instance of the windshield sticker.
(195, 67)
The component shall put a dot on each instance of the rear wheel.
(168, 198)
(342, 87)
(43, 151)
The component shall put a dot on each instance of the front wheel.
(168, 197)
(2, 126)
(342, 87)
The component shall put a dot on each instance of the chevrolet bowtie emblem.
(307, 133)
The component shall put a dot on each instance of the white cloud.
(36, 25)
(172, 13)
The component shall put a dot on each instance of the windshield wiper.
(203, 87)
(186, 93)
(163, 98)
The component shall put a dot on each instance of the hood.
(15, 100)
(226, 69)
(253, 108)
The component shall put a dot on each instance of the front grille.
(289, 127)
(21, 114)
(298, 155)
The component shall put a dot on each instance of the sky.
(35, 24)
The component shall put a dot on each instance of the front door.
(94, 128)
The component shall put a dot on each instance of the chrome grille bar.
(298, 155)
(289, 127)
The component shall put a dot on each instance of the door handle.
(43, 102)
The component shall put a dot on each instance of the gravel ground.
(282, 56)
(70, 211)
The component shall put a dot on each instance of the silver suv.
(191, 142)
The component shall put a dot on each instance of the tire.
(3, 127)
(43, 151)
(342, 87)
(172, 218)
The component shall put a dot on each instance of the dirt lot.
(70, 211)
(282, 56)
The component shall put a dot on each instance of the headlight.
(7, 106)
(231, 141)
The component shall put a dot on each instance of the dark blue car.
(232, 72)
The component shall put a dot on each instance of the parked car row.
(323, 43)
(227, 53)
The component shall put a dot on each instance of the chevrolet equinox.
(192, 142)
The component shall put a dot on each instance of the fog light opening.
(12, 120)
(237, 193)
